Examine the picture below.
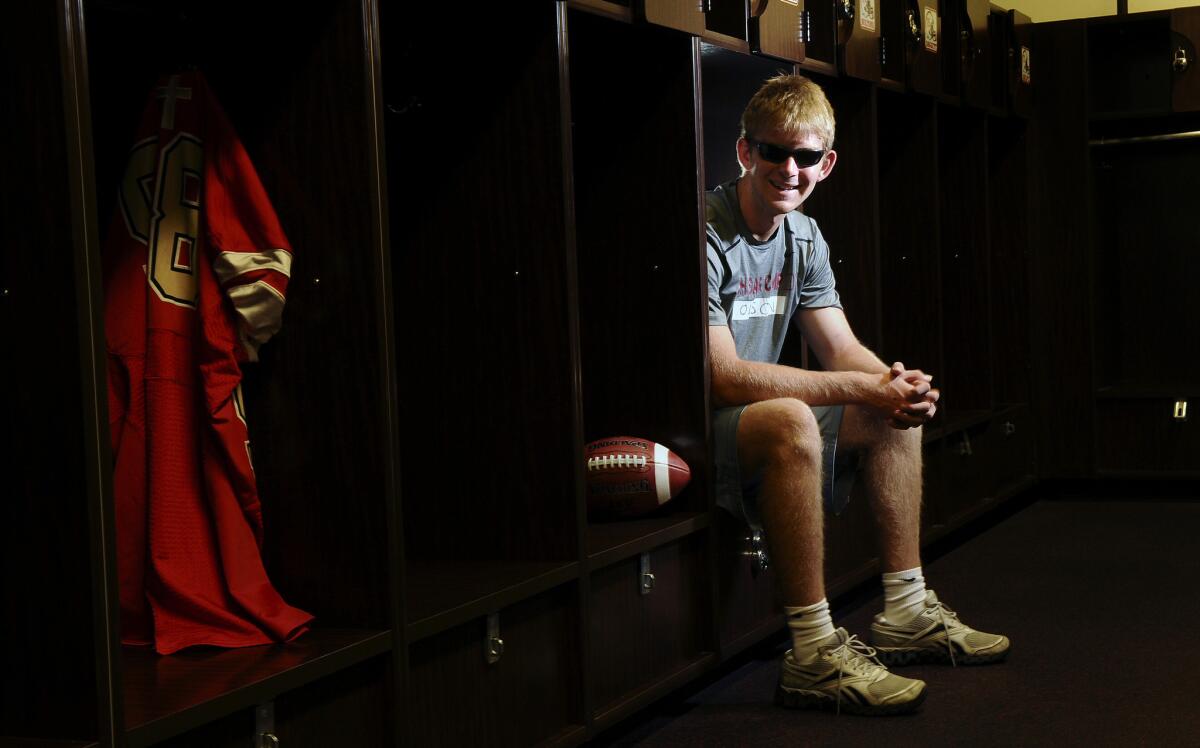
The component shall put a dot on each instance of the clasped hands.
(912, 393)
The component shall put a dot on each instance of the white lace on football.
(605, 462)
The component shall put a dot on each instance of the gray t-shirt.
(756, 287)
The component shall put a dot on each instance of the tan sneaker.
(844, 675)
(936, 635)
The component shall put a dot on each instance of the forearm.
(856, 357)
(744, 382)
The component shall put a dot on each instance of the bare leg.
(892, 471)
(780, 440)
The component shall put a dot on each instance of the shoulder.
(803, 227)
(719, 213)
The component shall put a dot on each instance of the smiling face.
(768, 191)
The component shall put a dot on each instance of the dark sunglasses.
(776, 155)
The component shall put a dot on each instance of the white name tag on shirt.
(766, 306)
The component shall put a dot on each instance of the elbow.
(840, 356)
(721, 389)
(718, 398)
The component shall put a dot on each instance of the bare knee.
(780, 441)
(901, 440)
(868, 430)
(788, 436)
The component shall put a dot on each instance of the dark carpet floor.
(1101, 600)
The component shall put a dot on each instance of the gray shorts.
(738, 493)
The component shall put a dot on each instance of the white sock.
(903, 595)
(810, 625)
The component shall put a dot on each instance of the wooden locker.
(682, 15)
(910, 45)
(925, 68)
(775, 29)
(508, 678)
(1021, 63)
(909, 227)
(649, 623)
(859, 30)
(1129, 65)
(1185, 78)
(966, 57)
(822, 24)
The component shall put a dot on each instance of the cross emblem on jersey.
(171, 92)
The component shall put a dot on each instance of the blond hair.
(790, 103)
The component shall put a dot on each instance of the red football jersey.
(196, 269)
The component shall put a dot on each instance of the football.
(629, 477)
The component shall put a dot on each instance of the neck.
(762, 224)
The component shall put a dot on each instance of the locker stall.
(299, 91)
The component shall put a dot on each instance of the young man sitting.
(785, 436)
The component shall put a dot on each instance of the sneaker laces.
(852, 650)
(946, 617)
